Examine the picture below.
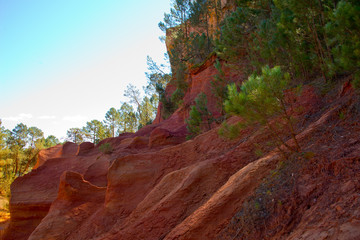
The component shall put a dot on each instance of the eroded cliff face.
(156, 185)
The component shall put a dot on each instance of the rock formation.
(156, 185)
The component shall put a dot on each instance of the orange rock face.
(46, 154)
(77, 200)
(155, 185)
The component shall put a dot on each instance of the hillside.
(153, 187)
(156, 184)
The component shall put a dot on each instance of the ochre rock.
(46, 154)
(33, 194)
(161, 137)
(69, 149)
(155, 185)
(85, 147)
(77, 200)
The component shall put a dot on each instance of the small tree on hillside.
(261, 98)
(199, 115)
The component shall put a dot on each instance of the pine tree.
(128, 121)
(18, 153)
(95, 131)
(75, 135)
(147, 111)
(200, 13)
(4, 134)
(200, 116)
(35, 134)
(158, 77)
(133, 94)
(344, 38)
(219, 85)
(51, 141)
(112, 119)
(260, 99)
(19, 136)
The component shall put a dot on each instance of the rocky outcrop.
(155, 185)
(32, 195)
(77, 200)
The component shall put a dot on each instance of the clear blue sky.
(66, 62)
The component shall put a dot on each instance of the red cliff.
(156, 185)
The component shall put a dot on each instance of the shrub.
(261, 98)
(106, 148)
(199, 114)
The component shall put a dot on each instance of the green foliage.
(145, 108)
(128, 120)
(199, 116)
(187, 47)
(219, 85)
(230, 131)
(117, 121)
(75, 135)
(176, 26)
(18, 152)
(133, 94)
(302, 23)
(158, 77)
(259, 152)
(179, 14)
(168, 107)
(95, 131)
(18, 136)
(180, 79)
(181, 86)
(147, 111)
(307, 38)
(106, 148)
(51, 141)
(234, 39)
(261, 98)
(341, 115)
(200, 47)
(193, 122)
(35, 134)
(112, 120)
(177, 96)
(344, 35)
